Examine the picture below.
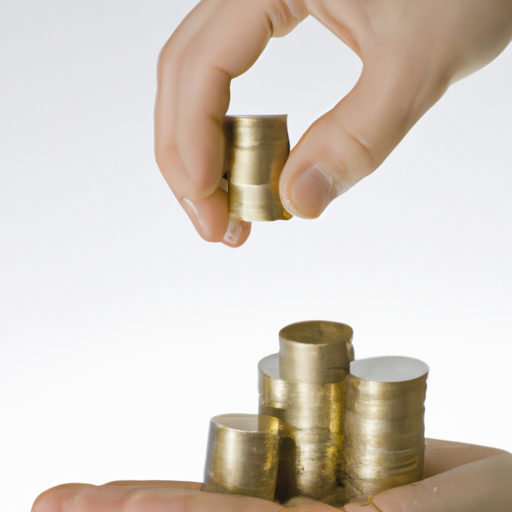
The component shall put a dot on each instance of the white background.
(122, 333)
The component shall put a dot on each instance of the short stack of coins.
(242, 455)
(256, 151)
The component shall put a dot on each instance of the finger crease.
(363, 145)
(222, 71)
(270, 24)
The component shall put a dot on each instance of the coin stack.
(329, 428)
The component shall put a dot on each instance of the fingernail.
(233, 232)
(223, 184)
(300, 501)
(360, 506)
(311, 193)
(193, 213)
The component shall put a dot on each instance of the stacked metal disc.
(384, 426)
(257, 148)
(341, 437)
(242, 455)
(303, 386)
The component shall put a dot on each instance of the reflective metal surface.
(257, 148)
(242, 455)
(384, 424)
(323, 433)
(303, 386)
(316, 352)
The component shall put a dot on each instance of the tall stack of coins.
(304, 386)
(384, 425)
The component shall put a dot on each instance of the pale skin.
(412, 50)
(458, 478)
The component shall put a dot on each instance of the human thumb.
(482, 485)
(349, 142)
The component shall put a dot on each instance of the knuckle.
(361, 150)
(136, 499)
(84, 500)
(166, 155)
(165, 57)
(365, 149)
(204, 183)
(173, 56)
(152, 499)
(283, 16)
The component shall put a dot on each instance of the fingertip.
(43, 504)
(209, 216)
(54, 499)
(237, 233)
(361, 506)
(310, 192)
(321, 167)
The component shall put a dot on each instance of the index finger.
(217, 41)
(155, 497)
